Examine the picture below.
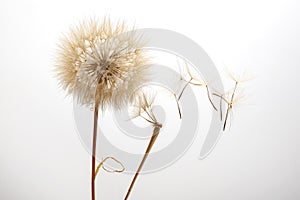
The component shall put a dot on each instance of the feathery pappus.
(101, 62)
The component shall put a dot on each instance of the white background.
(41, 157)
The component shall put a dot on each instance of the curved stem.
(94, 147)
(209, 98)
(150, 145)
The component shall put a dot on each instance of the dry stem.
(156, 130)
(94, 148)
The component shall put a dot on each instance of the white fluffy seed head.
(102, 63)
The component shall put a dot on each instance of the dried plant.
(100, 63)
(144, 101)
(100, 60)
(101, 164)
(191, 79)
(232, 97)
(143, 105)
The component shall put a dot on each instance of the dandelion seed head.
(101, 62)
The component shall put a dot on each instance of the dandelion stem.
(93, 176)
(150, 145)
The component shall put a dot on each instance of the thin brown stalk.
(226, 117)
(156, 130)
(221, 110)
(207, 92)
(94, 148)
(179, 97)
(209, 98)
(230, 104)
(178, 106)
(234, 90)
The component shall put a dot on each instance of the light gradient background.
(41, 157)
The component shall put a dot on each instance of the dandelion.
(101, 64)
(143, 105)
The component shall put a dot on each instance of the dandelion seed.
(191, 79)
(144, 105)
(231, 99)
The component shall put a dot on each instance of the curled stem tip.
(101, 164)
